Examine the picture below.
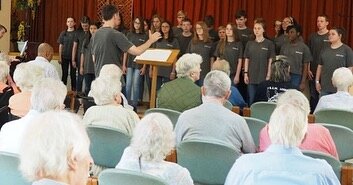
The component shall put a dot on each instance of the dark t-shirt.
(206, 51)
(80, 36)
(298, 54)
(331, 59)
(177, 31)
(233, 51)
(184, 43)
(88, 65)
(67, 38)
(108, 46)
(245, 35)
(164, 44)
(258, 54)
(213, 35)
(316, 44)
(270, 90)
(137, 39)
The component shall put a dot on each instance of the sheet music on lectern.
(159, 55)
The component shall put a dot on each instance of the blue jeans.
(235, 98)
(295, 80)
(252, 92)
(89, 77)
(133, 84)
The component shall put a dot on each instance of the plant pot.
(20, 45)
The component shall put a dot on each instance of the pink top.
(318, 138)
(20, 103)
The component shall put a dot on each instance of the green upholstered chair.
(335, 116)
(9, 173)
(207, 162)
(255, 126)
(107, 145)
(262, 110)
(335, 164)
(171, 114)
(228, 105)
(127, 177)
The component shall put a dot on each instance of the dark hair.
(170, 33)
(2, 27)
(209, 20)
(121, 26)
(108, 11)
(240, 13)
(340, 31)
(88, 37)
(186, 19)
(142, 26)
(324, 16)
(85, 20)
(296, 27)
(148, 22)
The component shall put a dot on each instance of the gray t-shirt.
(184, 43)
(245, 35)
(88, 65)
(80, 37)
(331, 59)
(137, 39)
(67, 38)
(258, 54)
(177, 31)
(206, 51)
(164, 44)
(108, 46)
(298, 54)
(233, 51)
(316, 44)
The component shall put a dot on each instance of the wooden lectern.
(155, 64)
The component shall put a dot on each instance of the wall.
(5, 14)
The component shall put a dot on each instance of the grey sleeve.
(61, 38)
(307, 54)
(179, 130)
(246, 138)
(122, 42)
(272, 50)
(349, 57)
(247, 52)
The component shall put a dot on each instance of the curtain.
(51, 17)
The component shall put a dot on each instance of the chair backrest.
(335, 116)
(9, 173)
(228, 105)
(127, 177)
(208, 163)
(262, 110)
(107, 145)
(335, 164)
(255, 126)
(343, 138)
(172, 114)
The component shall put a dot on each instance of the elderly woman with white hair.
(25, 76)
(152, 141)
(182, 93)
(342, 79)
(283, 162)
(47, 94)
(55, 150)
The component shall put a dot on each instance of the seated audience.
(279, 82)
(213, 122)
(152, 141)
(182, 93)
(235, 97)
(55, 150)
(317, 138)
(342, 79)
(283, 162)
(47, 94)
(45, 55)
(25, 76)
(6, 91)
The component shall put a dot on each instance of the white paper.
(158, 55)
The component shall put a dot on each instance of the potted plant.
(21, 35)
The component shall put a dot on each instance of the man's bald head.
(45, 50)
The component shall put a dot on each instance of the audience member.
(45, 55)
(283, 162)
(25, 76)
(317, 137)
(6, 91)
(211, 121)
(342, 79)
(182, 94)
(152, 141)
(47, 94)
(55, 150)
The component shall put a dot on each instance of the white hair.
(48, 94)
(104, 90)
(221, 65)
(342, 78)
(4, 71)
(153, 137)
(50, 142)
(216, 84)
(26, 75)
(295, 98)
(111, 71)
(288, 125)
(188, 63)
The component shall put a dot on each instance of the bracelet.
(317, 81)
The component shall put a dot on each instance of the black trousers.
(65, 65)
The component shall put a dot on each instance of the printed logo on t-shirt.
(264, 48)
(243, 35)
(207, 46)
(298, 52)
(326, 40)
(170, 45)
(339, 55)
(235, 48)
(143, 40)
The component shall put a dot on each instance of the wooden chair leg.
(347, 174)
